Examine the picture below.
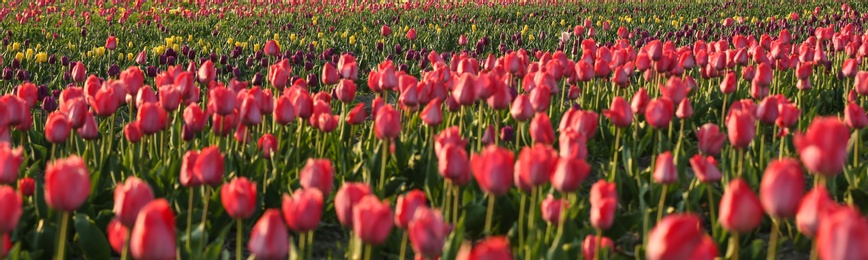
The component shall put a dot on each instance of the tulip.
(814, 205)
(206, 73)
(357, 115)
(741, 128)
(57, 128)
(10, 210)
(432, 114)
(67, 183)
(269, 238)
(674, 237)
(372, 220)
(346, 199)
(250, 112)
(493, 169)
(541, 129)
(318, 174)
(685, 109)
(303, 210)
(27, 92)
(10, 163)
(584, 122)
(346, 91)
(659, 113)
(111, 43)
(705, 168)
(496, 247)
(209, 166)
(170, 97)
(271, 48)
(427, 232)
(26, 186)
(540, 98)
(639, 101)
(740, 209)
(453, 164)
(329, 74)
(823, 147)
(151, 118)
(89, 130)
(535, 164)
(675, 89)
(619, 113)
(788, 115)
(664, 170)
(604, 202)
(551, 209)
(782, 188)
(589, 246)
(843, 235)
(387, 123)
(284, 111)
(385, 30)
(153, 236)
(854, 116)
(221, 101)
(79, 72)
(268, 145)
(407, 206)
(195, 118)
(705, 250)
(117, 235)
(239, 198)
(729, 84)
(521, 109)
(130, 198)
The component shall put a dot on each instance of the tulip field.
(509, 129)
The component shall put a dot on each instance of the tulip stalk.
(383, 166)
(615, 154)
(61, 241)
(239, 230)
(597, 246)
(489, 213)
(126, 249)
(207, 197)
(189, 216)
(662, 203)
(773, 240)
(403, 246)
(733, 247)
(708, 189)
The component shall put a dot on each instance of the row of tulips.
(523, 119)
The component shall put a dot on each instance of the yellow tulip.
(130, 56)
(319, 35)
(230, 41)
(352, 40)
(473, 27)
(256, 46)
(29, 54)
(19, 56)
(276, 36)
(563, 23)
(16, 46)
(292, 37)
(170, 40)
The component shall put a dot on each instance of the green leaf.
(92, 241)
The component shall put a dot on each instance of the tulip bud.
(303, 210)
(782, 188)
(130, 198)
(239, 198)
(740, 209)
(269, 238)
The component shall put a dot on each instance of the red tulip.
(57, 128)
(427, 232)
(705, 168)
(854, 116)
(347, 67)
(664, 169)
(207, 73)
(823, 147)
(573, 145)
(729, 83)
(814, 205)
(187, 176)
(347, 198)
(741, 127)
(521, 109)
(705, 250)
(27, 92)
(372, 220)
(535, 164)
(540, 99)
(67, 183)
(541, 131)
(357, 115)
(659, 113)
(740, 209)
(239, 198)
(346, 91)
(303, 210)
(589, 246)
(111, 42)
(675, 89)
(843, 235)
(385, 30)
(10, 209)
(318, 174)
(639, 101)
(269, 238)
(453, 164)
(551, 209)
(170, 97)
(79, 72)
(151, 118)
(496, 247)
(432, 114)
(26, 186)
(279, 73)
(493, 169)
(462, 40)
(569, 174)
(850, 68)
(117, 235)
(583, 122)
(782, 188)
(271, 48)
(619, 113)
(153, 236)
(130, 198)
(465, 89)
(604, 203)
(329, 74)
(221, 101)
(75, 110)
(209, 166)
(250, 112)
(685, 109)
(195, 118)
(284, 111)
(10, 163)
(788, 114)
(132, 132)
(674, 237)
(387, 123)
(407, 206)
(268, 145)
(411, 34)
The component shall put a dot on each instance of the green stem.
(368, 250)
(711, 209)
(740, 162)
(126, 249)
(662, 203)
(773, 240)
(597, 245)
(403, 246)
(189, 216)
(734, 246)
(615, 155)
(238, 231)
(383, 166)
(456, 202)
(61, 241)
(520, 221)
(489, 213)
(814, 255)
(207, 198)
